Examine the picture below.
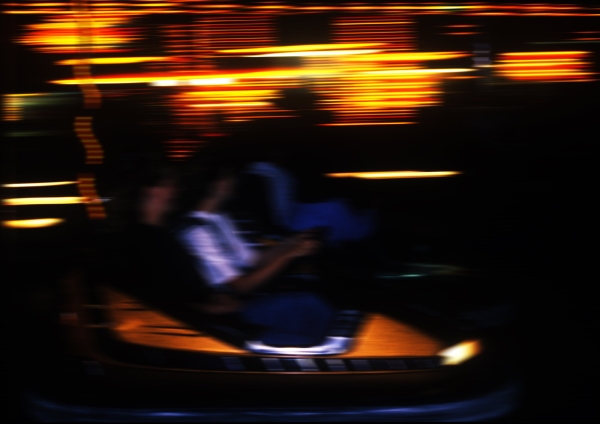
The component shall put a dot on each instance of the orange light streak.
(304, 47)
(544, 66)
(371, 23)
(462, 33)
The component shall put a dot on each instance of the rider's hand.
(302, 244)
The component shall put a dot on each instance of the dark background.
(524, 209)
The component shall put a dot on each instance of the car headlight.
(460, 352)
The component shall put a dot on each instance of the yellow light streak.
(211, 81)
(393, 174)
(112, 60)
(75, 40)
(408, 56)
(304, 47)
(391, 94)
(418, 71)
(241, 104)
(231, 93)
(539, 63)
(173, 82)
(56, 183)
(557, 53)
(25, 94)
(32, 223)
(104, 23)
(534, 72)
(45, 201)
(222, 79)
(309, 53)
(391, 103)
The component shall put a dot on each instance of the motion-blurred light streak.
(394, 174)
(48, 184)
(116, 60)
(307, 53)
(544, 66)
(32, 223)
(369, 72)
(301, 48)
(24, 201)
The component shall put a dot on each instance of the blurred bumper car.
(381, 360)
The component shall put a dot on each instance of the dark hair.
(199, 178)
(125, 209)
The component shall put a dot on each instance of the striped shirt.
(221, 255)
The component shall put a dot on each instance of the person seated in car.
(222, 256)
(150, 262)
(143, 257)
(237, 274)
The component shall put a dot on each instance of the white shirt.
(221, 254)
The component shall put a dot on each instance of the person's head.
(209, 188)
(149, 197)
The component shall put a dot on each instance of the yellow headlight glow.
(460, 353)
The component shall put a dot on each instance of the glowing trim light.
(460, 353)
(394, 174)
(57, 183)
(45, 201)
(33, 223)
